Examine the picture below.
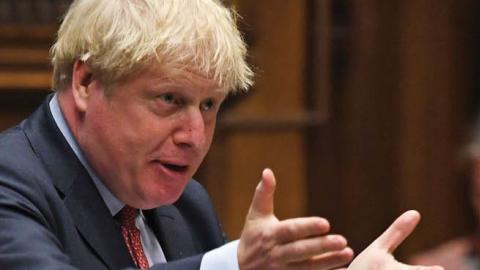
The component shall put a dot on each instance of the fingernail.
(265, 172)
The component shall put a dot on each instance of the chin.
(167, 197)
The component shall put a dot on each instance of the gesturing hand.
(378, 256)
(300, 243)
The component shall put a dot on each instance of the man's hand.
(378, 256)
(300, 243)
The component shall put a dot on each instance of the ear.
(81, 80)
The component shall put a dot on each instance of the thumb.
(398, 231)
(262, 202)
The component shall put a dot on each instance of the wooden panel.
(436, 60)
(25, 80)
(37, 34)
(31, 11)
(351, 162)
(283, 153)
(265, 127)
(320, 59)
(397, 122)
(24, 57)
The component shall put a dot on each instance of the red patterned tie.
(131, 236)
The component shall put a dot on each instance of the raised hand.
(378, 256)
(300, 243)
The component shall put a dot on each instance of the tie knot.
(127, 216)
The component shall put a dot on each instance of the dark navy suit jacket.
(52, 216)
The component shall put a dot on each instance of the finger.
(417, 267)
(398, 231)
(297, 228)
(436, 267)
(262, 202)
(420, 267)
(326, 261)
(426, 268)
(304, 249)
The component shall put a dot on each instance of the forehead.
(170, 75)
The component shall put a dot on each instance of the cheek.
(113, 138)
(209, 133)
(132, 129)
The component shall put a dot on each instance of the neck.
(71, 115)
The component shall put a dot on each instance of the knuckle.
(271, 263)
(289, 231)
(298, 249)
(275, 259)
(266, 236)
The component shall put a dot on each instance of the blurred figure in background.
(462, 253)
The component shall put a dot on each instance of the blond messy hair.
(120, 37)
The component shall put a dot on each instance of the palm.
(375, 260)
(298, 243)
(378, 256)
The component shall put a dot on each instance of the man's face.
(148, 136)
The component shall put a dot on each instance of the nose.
(191, 129)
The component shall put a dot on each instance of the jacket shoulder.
(197, 208)
(18, 159)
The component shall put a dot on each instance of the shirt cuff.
(224, 257)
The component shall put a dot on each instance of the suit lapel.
(89, 212)
(172, 232)
(96, 225)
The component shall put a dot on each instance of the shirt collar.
(114, 205)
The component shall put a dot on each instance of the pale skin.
(378, 255)
(302, 243)
(149, 135)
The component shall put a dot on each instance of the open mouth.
(175, 167)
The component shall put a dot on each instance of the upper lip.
(173, 162)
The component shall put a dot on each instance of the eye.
(207, 105)
(167, 98)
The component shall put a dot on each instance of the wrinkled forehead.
(157, 75)
(192, 76)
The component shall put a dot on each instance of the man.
(138, 86)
